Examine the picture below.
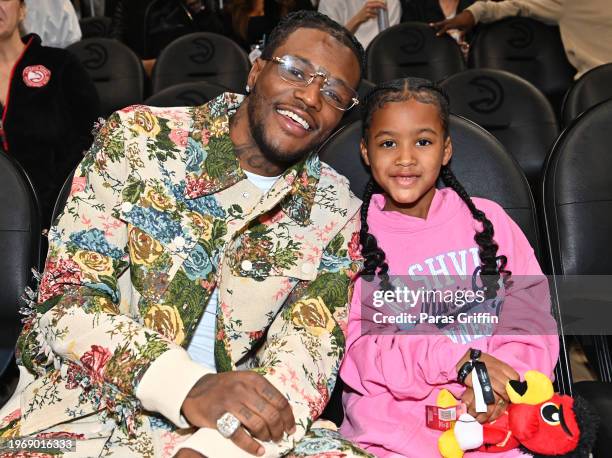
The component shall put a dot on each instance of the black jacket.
(48, 116)
(148, 26)
(427, 10)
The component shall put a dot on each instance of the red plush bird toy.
(538, 420)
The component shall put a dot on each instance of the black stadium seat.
(165, 21)
(201, 56)
(593, 87)
(578, 195)
(186, 94)
(412, 49)
(578, 216)
(19, 253)
(115, 70)
(95, 27)
(509, 107)
(62, 197)
(527, 48)
(354, 114)
(497, 177)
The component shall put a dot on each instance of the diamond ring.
(227, 424)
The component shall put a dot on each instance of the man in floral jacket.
(167, 218)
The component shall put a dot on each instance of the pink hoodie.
(391, 378)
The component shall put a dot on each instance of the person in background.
(148, 26)
(252, 20)
(360, 16)
(167, 21)
(55, 21)
(49, 106)
(432, 10)
(435, 11)
(90, 8)
(237, 16)
(585, 25)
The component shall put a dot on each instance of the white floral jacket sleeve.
(159, 215)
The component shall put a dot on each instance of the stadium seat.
(578, 204)
(164, 22)
(19, 252)
(62, 197)
(201, 56)
(95, 27)
(527, 48)
(510, 108)
(412, 49)
(578, 219)
(354, 114)
(186, 94)
(592, 88)
(115, 70)
(498, 177)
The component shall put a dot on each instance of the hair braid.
(489, 269)
(374, 257)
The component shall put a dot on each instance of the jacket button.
(246, 265)
(307, 267)
(245, 195)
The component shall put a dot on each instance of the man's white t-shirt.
(342, 11)
(202, 345)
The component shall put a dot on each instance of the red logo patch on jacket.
(36, 75)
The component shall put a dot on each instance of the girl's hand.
(493, 411)
(499, 373)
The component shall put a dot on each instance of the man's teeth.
(301, 121)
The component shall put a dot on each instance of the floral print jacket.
(160, 214)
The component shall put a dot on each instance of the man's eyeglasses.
(299, 73)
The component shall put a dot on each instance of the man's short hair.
(312, 20)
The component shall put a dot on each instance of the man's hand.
(493, 411)
(464, 22)
(188, 453)
(263, 410)
(368, 11)
(499, 373)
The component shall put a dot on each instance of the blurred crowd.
(148, 25)
(33, 33)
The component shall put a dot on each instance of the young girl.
(419, 232)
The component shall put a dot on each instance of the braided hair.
(424, 91)
(373, 256)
